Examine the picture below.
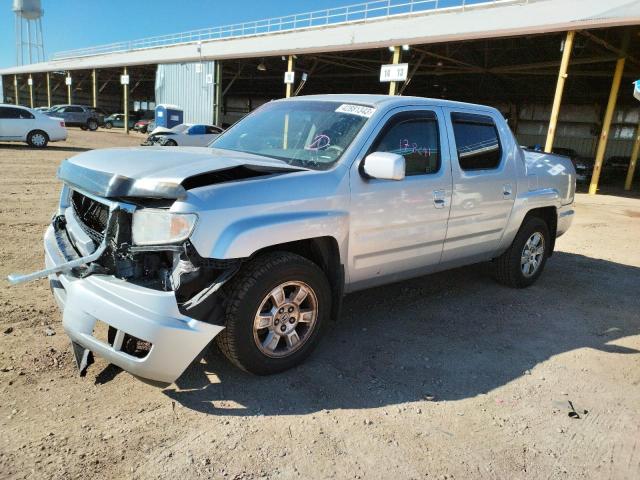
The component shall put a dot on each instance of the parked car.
(76, 116)
(117, 120)
(142, 125)
(21, 124)
(256, 240)
(184, 135)
(616, 166)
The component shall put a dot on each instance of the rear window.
(477, 141)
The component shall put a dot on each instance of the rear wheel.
(37, 139)
(522, 264)
(170, 143)
(92, 124)
(277, 308)
(108, 125)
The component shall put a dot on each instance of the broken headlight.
(153, 227)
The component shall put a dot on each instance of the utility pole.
(396, 60)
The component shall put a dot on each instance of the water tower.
(29, 43)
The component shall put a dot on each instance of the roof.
(386, 100)
(500, 18)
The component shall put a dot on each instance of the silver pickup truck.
(255, 240)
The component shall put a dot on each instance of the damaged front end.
(159, 301)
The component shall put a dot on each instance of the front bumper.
(147, 314)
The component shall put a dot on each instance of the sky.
(69, 24)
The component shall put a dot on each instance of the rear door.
(398, 228)
(483, 185)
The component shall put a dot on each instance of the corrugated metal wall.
(190, 86)
(578, 128)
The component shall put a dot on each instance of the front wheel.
(92, 124)
(108, 125)
(522, 264)
(277, 307)
(170, 143)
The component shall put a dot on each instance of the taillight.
(62, 124)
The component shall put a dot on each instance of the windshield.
(310, 134)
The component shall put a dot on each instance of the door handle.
(439, 198)
(507, 190)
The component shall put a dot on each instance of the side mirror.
(384, 166)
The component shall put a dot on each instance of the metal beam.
(94, 81)
(603, 43)
(30, 82)
(633, 161)
(557, 99)
(15, 88)
(125, 93)
(606, 124)
(48, 90)
(412, 73)
(233, 79)
(395, 60)
(69, 89)
(289, 69)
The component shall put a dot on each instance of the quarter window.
(477, 141)
(414, 135)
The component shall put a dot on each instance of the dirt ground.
(446, 376)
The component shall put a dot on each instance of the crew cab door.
(398, 227)
(484, 184)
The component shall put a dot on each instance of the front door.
(398, 226)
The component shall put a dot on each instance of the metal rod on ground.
(289, 69)
(633, 162)
(94, 81)
(126, 103)
(15, 88)
(606, 124)
(557, 99)
(395, 61)
(48, 90)
(30, 81)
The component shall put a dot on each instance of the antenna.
(29, 43)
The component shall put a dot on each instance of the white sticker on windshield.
(360, 110)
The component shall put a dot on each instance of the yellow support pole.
(94, 80)
(69, 89)
(126, 105)
(396, 60)
(606, 125)
(30, 81)
(15, 88)
(557, 99)
(48, 90)
(289, 69)
(633, 162)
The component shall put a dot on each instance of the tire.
(83, 127)
(92, 124)
(246, 295)
(511, 265)
(170, 143)
(143, 129)
(37, 139)
(108, 125)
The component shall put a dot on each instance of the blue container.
(169, 116)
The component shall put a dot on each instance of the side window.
(414, 135)
(477, 141)
(73, 109)
(15, 113)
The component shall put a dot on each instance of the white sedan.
(21, 124)
(184, 135)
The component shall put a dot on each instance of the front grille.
(92, 215)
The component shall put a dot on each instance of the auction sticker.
(359, 110)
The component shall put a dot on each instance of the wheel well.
(550, 216)
(324, 252)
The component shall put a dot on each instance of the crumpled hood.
(156, 172)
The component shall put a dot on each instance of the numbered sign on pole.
(67, 81)
(394, 72)
(124, 79)
(30, 81)
(289, 77)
